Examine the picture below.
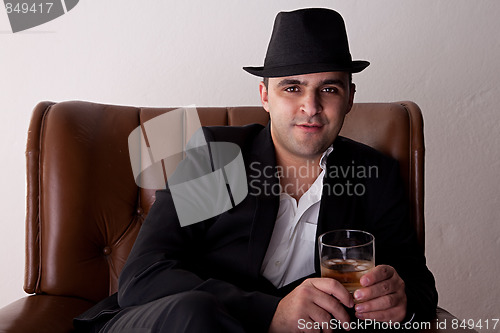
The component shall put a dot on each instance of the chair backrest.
(84, 209)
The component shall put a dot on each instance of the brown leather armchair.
(84, 209)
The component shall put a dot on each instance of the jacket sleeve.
(158, 267)
(396, 245)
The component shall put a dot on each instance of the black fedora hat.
(305, 41)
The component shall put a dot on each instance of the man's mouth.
(309, 127)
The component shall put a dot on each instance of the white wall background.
(442, 54)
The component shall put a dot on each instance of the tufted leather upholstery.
(84, 209)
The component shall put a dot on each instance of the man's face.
(307, 111)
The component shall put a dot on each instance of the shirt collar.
(324, 157)
(316, 189)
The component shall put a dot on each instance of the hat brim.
(356, 66)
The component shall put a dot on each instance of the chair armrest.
(42, 314)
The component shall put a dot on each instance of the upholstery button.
(106, 251)
(139, 211)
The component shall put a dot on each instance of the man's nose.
(311, 104)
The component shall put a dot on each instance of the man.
(255, 267)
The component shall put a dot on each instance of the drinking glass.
(346, 255)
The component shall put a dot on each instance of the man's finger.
(380, 303)
(331, 305)
(385, 287)
(333, 287)
(377, 290)
(396, 314)
(377, 274)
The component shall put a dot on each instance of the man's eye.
(292, 89)
(330, 90)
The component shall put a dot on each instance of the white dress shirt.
(290, 254)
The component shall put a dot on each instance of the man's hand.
(315, 300)
(383, 297)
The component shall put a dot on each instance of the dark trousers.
(191, 311)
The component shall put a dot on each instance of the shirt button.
(277, 263)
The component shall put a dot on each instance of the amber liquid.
(348, 272)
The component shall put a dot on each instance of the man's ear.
(352, 90)
(264, 96)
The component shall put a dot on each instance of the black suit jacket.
(223, 255)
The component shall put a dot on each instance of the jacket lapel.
(336, 211)
(264, 193)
